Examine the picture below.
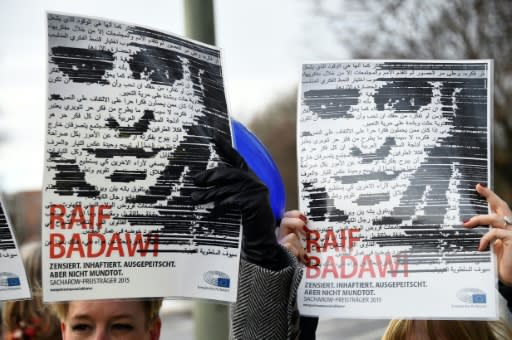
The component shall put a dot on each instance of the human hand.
(293, 226)
(237, 186)
(500, 233)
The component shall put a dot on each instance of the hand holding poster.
(131, 116)
(13, 279)
(389, 156)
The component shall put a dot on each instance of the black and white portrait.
(395, 149)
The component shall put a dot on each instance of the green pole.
(199, 20)
(211, 319)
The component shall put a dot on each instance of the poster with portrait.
(131, 113)
(14, 284)
(389, 156)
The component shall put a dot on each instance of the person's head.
(446, 330)
(30, 318)
(110, 319)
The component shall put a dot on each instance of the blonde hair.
(31, 314)
(447, 329)
(151, 309)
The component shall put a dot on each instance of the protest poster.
(13, 278)
(389, 156)
(131, 113)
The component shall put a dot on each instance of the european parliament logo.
(472, 295)
(216, 278)
(9, 280)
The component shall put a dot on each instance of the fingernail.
(465, 221)
(305, 228)
(483, 185)
(303, 218)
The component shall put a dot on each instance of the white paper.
(13, 279)
(131, 113)
(389, 155)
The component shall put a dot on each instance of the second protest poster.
(389, 156)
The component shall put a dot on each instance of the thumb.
(228, 153)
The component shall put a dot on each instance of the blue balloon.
(261, 163)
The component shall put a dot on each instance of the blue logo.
(223, 282)
(217, 279)
(479, 298)
(472, 295)
(9, 280)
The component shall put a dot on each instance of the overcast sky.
(263, 44)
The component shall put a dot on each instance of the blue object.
(479, 298)
(261, 163)
(224, 283)
(13, 281)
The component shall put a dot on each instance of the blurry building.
(24, 210)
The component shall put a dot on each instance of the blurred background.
(264, 43)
